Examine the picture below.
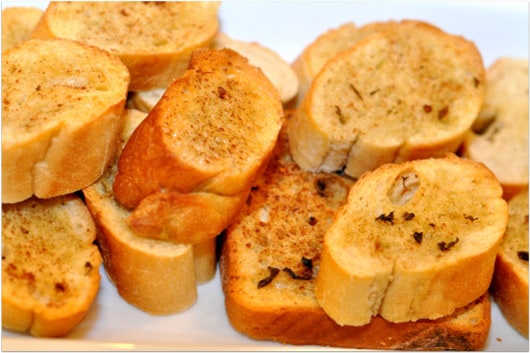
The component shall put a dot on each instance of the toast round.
(17, 24)
(406, 92)
(187, 169)
(154, 39)
(415, 241)
(157, 277)
(510, 279)
(499, 137)
(50, 266)
(62, 103)
(276, 230)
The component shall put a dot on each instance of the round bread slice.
(415, 241)
(154, 39)
(17, 24)
(188, 168)
(62, 103)
(50, 266)
(510, 280)
(499, 137)
(410, 91)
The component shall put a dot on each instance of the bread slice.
(154, 39)
(500, 134)
(50, 266)
(273, 66)
(415, 240)
(510, 279)
(277, 230)
(17, 24)
(188, 168)
(156, 276)
(410, 91)
(62, 103)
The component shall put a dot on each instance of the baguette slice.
(157, 277)
(17, 24)
(154, 39)
(276, 230)
(50, 266)
(406, 92)
(510, 280)
(499, 137)
(188, 168)
(415, 241)
(62, 103)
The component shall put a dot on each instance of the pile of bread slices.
(357, 198)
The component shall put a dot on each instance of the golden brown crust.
(153, 39)
(50, 266)
(61, 113)
(510, 280)
(229, 115)
(17, 24)
(402, 248)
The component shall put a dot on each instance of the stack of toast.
(350, 198)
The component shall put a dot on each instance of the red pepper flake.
(273, 273)
(222, 92)
(427, 108)
(443, 112)
(447, 246)
(386, 218)
(418, 236)
(312, 221)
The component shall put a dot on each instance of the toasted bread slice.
(157, 277)
(510, 279)
(277, 230)
(154, 39)
(410, 91)
(17, 24)
(62, 103)
(500, 134)
(188, 168)
(50, 266)
(415, 240)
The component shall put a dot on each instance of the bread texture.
(188, 168)
(50, 266)
(406, 92)
(153, 39)
(155, 276)
(499, 137)
(413, 242)
(277, 237)
(62, 103)
(17, 24)
(510, 280)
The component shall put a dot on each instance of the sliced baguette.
(157, 277)
(499, 137)
(276, 230)
(415, 240)
(50, 266)
(62, 103)
(188, 168)
(154, 39)
(510, 280)
(406, 92)
(17, 24)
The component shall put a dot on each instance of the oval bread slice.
(510, 280)
(410, 91)
(188, 168)
(62, 103)
(415, 240)
(499, 137)
(153, 39)
(17, 24)
(50, 266)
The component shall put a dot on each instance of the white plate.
(497, 28)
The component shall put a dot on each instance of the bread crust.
(401, 248)
(377, 102)
(154, 51)
(50, 266)
(60, 126)
(205, 141)
(509, 286)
